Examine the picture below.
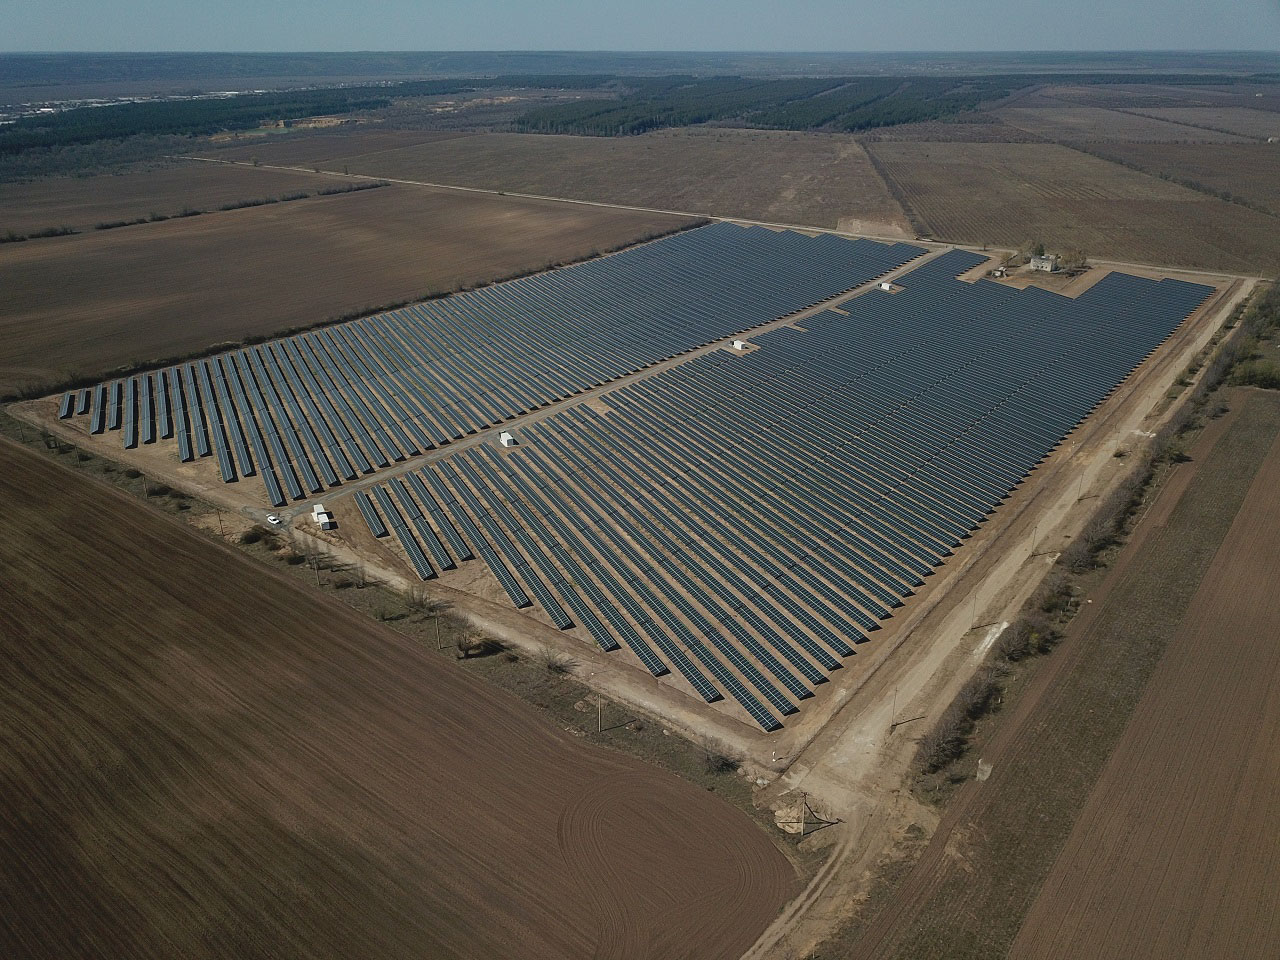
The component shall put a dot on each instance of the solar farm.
(737, 517)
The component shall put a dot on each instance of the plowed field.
(202, 759)
(1177, 852)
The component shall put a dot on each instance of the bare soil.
(812, 179)
(1171, 854)
(90, 303)
(273, 775)
(1010, 193)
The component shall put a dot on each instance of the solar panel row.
(327, 406)
(759, 514)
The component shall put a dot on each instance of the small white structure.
(1048, 263)
(506, 438)
(318, 508)
(740, 344)
(323, 517)
(886, 286)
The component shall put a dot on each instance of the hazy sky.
(808, 25)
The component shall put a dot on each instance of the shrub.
(252, 535)
(979, 693)
(1015, 642)
(473, 646)
(133, 474)
(555, 662)
(1258, 373)
(716, 762)
(944, 743)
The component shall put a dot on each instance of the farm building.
(1047, 262)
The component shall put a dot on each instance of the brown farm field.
(1175, 852)
(310, 148)
(1067, 121)
(83, 202)
(998, 840)
(812, 179)
(90, 303)
(204, 759)
(1257, 124)
(1011, 193)
(1250, 171)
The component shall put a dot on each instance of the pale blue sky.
(721, 25)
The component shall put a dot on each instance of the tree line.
(208, 115)
(832, 103)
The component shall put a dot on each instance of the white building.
(740, 344)
(886, 286)
(506, 438)
(1048, 262)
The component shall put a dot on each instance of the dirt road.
(203, 759)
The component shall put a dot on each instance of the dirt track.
(1175, 852)
(205, 760)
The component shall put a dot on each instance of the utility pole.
(439, 644)
(599, 716)
(221, 531)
